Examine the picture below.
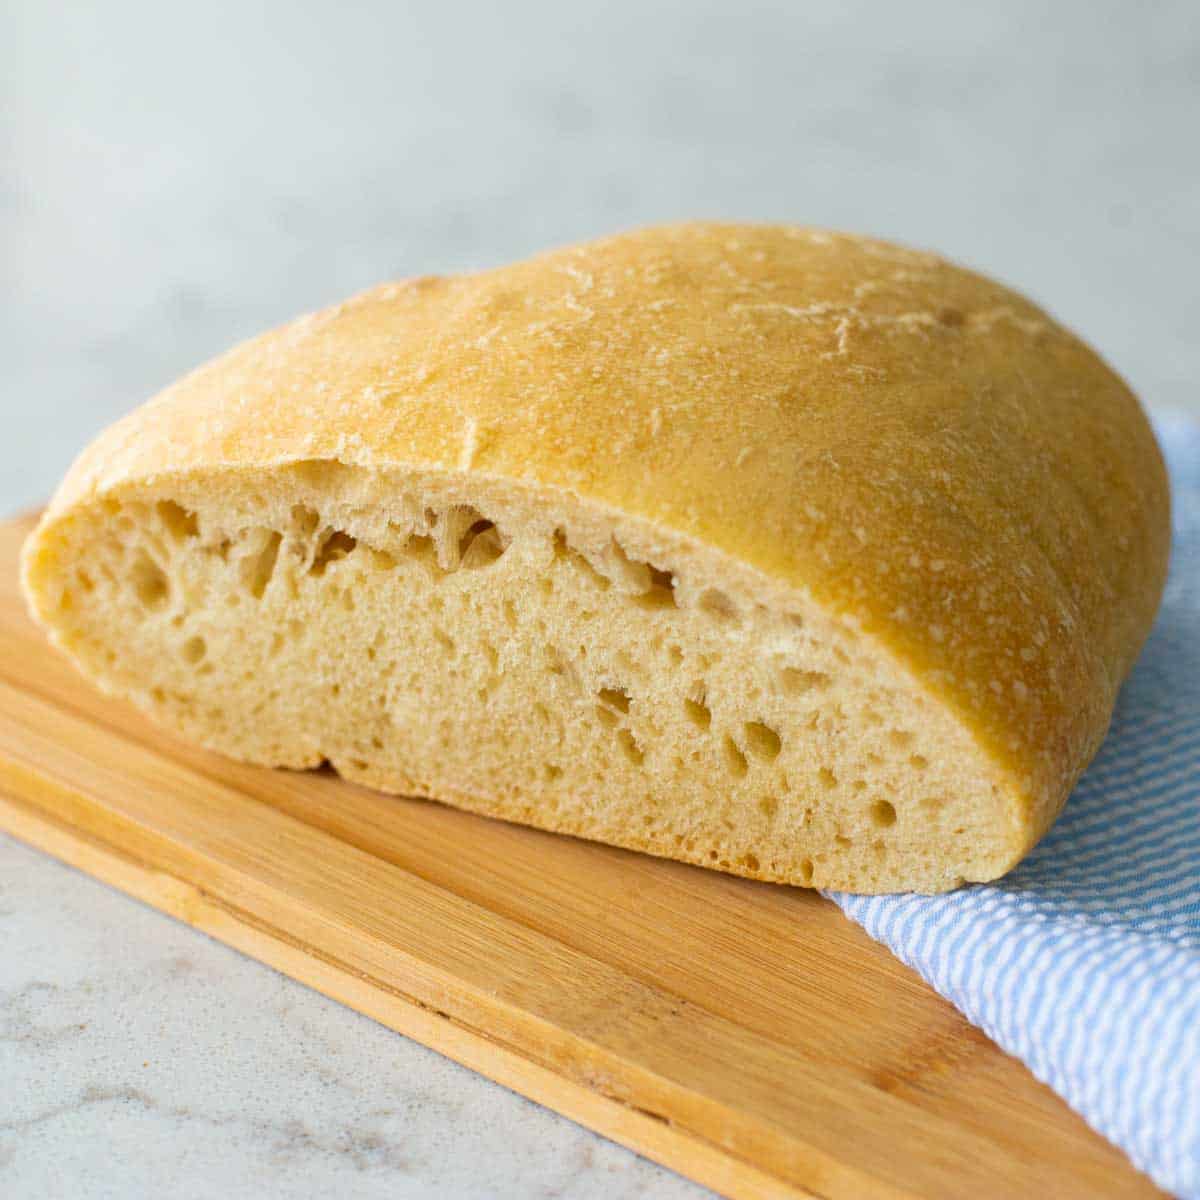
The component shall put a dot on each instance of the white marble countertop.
(140, 1058)
(175, 178)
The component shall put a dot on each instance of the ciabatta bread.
(784, 552)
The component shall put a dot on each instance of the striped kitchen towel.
(1085, 961)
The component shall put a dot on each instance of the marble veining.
(139, 1058)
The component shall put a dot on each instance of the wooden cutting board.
(745, 1034)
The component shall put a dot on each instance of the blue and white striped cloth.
(1085, 961)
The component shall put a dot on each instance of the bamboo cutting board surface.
(745, 1034)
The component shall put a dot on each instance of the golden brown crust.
(921, 450)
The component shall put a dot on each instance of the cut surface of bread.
(793, 554)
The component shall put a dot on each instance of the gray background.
(180, 177)
(176, 178)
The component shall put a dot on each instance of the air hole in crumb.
(481, 545)
(616, 698)
(630, 748)
(735, 760)
(698, 713)
(750, 862)
(149, 581)
(806, 871)
(256, 571)
(762, 740)
(718, 605)
(827, 778)
(334, 546)
(607, 716)
(565, 551)
(796, 682)
(304, 522)
(661, 593)
(900, 737)
(541, 712)
(193, 650)
(842, 840)
(556, 664)
(444, 640)
(918, 762)
(883, 813)
(552, 772)
(421, 548)
(177, 521)
(510, 614)
(768, 806)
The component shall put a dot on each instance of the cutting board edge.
(645, 1133)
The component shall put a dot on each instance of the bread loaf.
(789, 553)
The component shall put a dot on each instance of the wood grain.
(744, 1034)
